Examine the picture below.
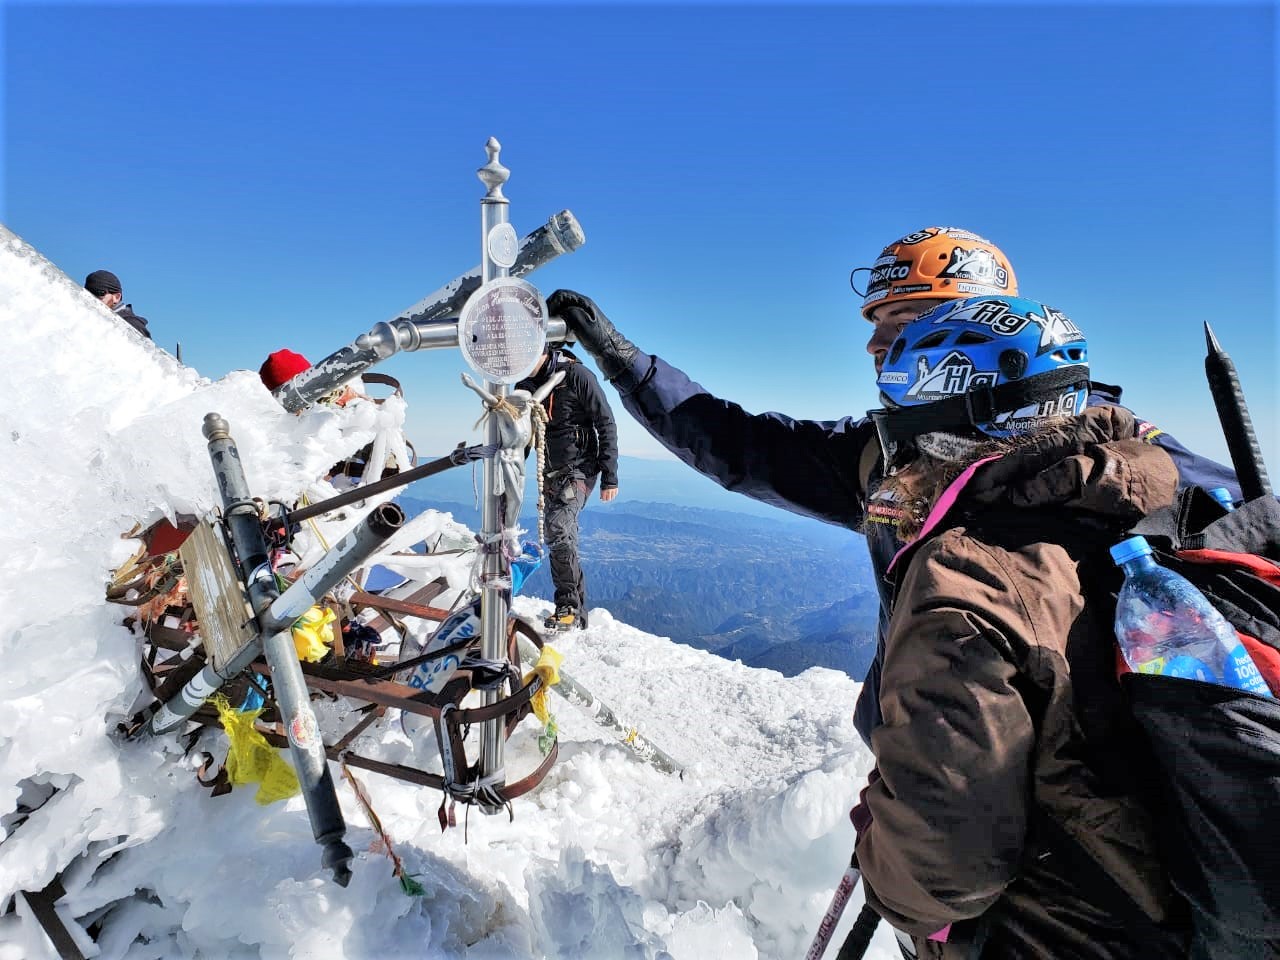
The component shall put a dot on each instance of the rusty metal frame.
(379, 693)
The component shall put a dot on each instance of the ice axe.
(1237, 425)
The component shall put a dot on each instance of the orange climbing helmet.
(944, 263)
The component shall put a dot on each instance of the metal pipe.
(425, 326)
(276, 613)
(459, 456)
(272, 608)
(495, 224)
(603, 714)
(383, 341)
(445, 333)
(372, 348)
(561, 234)
(240, 513)
(348, 554)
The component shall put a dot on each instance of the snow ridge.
(607, 858)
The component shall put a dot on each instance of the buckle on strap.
(980, 405)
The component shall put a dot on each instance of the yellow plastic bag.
(250, 759)
(548, 668)
(313, 634)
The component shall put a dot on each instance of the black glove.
(612, 351)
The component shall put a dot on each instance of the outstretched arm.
(803, 466)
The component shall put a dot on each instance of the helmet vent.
(972, 336)
(934, 338)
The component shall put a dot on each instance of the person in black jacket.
(105, 285)
(826, 469)
(582, 446)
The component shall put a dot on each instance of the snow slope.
(608, 858)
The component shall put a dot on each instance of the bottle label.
(434, 674)
(1154, 665)
(1181, 666)
(1240, 671)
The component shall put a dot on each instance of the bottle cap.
(1223, 496)
(1126, 550)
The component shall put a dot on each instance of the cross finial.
(493, 174)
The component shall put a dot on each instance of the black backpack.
(1218, 748)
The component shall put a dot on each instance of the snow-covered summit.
(609, 857)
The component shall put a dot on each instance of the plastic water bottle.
(463, 624)
(1166, 626)
(1223, 496)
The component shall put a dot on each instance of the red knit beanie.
(281, 367)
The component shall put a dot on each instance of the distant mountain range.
(651, 481)
(758, 585)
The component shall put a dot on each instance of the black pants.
(565, 498)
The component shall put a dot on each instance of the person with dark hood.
(582, 446)
(105, 285)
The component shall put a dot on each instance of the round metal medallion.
(503, 329)
(503, 245)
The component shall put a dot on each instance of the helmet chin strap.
(901, 428)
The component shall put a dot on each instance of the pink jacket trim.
(945, 503)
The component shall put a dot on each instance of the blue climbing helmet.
(993, 366)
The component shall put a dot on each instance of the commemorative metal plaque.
(502, 245)
(502, 329)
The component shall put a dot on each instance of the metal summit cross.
(429, 324)
(501, 333)
(501, 330)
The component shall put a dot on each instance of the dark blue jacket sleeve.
(1193, 469)
(807, 467)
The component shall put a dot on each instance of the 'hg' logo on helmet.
(976, 264)
(918, 237)
(1024, 418)
(954, 375)
(993, 314)
(1056, 328)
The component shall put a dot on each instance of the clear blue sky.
(291, 175)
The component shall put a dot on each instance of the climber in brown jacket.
(1006, 815)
